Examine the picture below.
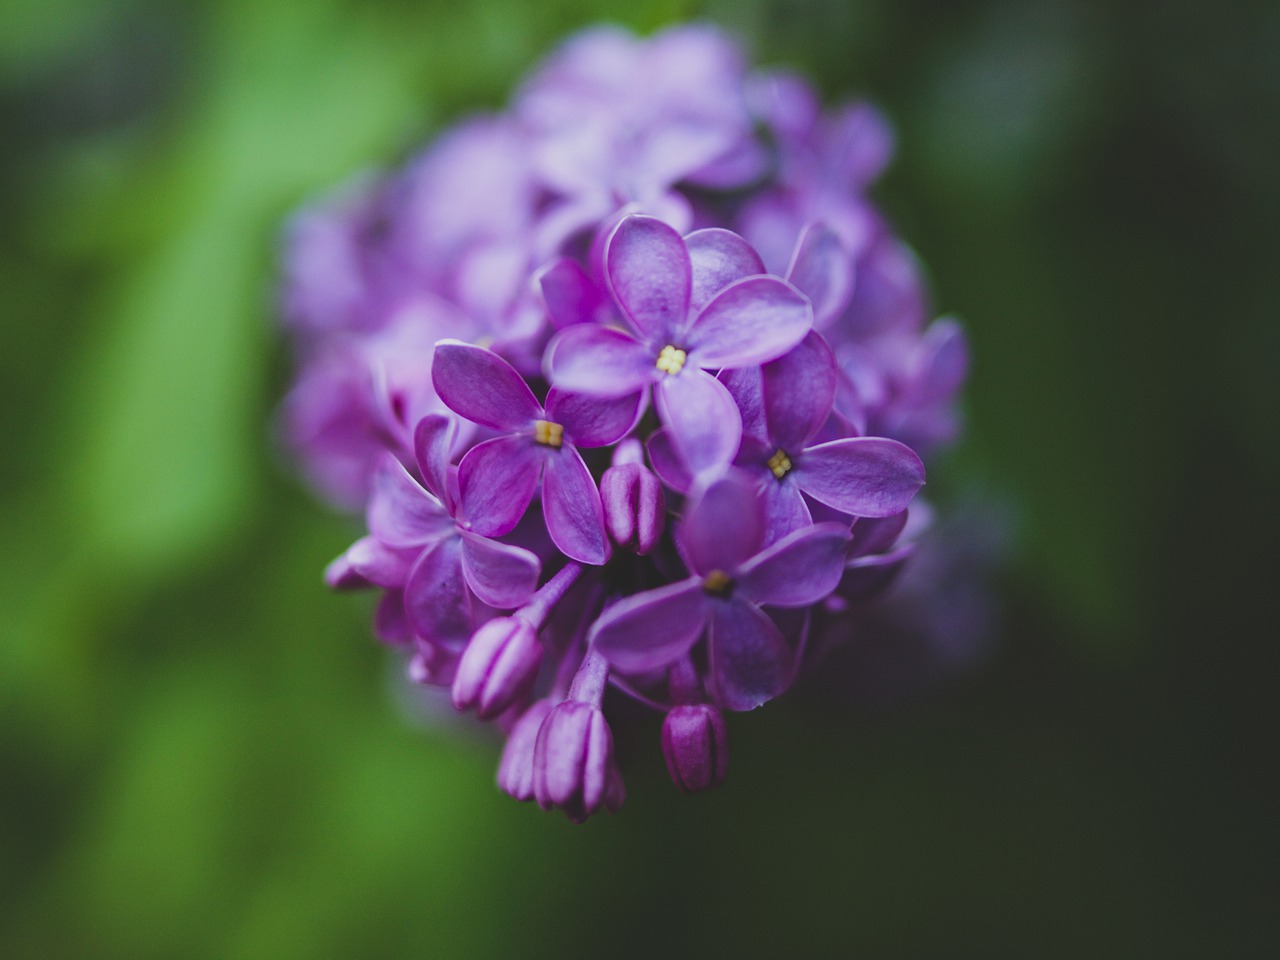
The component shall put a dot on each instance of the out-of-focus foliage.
(201, 754)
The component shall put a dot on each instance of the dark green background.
(202, 753)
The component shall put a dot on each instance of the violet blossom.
(485, 329)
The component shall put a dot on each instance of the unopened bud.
(634, 507)
(696, 745)
(498, 666)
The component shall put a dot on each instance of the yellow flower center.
(671, 360)
(780, 464)
(718, 583)
(548, 434)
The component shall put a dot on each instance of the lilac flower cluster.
(654, 298)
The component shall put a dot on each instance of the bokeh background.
(202, 753)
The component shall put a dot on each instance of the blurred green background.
(203, 753)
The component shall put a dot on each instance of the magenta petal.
(497, 480)
(568, 292)
(750, 321)
(648, 630)
(785, 510)
(799, 388)
(437, 602)
(751, 662)
(875, 535)
(667, 462)
(433, 440)
(591, 421)
(703, 419)
(723, 524)
(822, 269)
(501, 575)
(598, 361)
(650, 276)
(369, 562)
(861, 476)
(401, 513)
(746, 386)
(800, 569)
(941, 362)
(478, 384)
(718, 257)
(571, 506)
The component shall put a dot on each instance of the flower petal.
(718, 258)
(369, 562)
(785, 510)
(401, 513)
(703, 419)
(591, 421)
(861, 476)
(751, 662)
(801, 568)
(723, 523)
(799, 388)
(568, 292)
(648, 630)
(433, 440)
(872, 535)
(478, 384)
(746, 386)
(650, 275)
(667, 462)
(437, 602)
(501, 575)
(750, 321)
(598, 361)
(571, 506)
(823, 270)
(497, 480)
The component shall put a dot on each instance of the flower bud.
(515, 771)
(634, 507)
(573, 766)
(499, 664)
(696, 745)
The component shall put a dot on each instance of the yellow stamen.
(780, 464)
(718, 583)
(671, 360)
(548, 434)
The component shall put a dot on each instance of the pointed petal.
(746, 386)
(591, 421)
(718, 257)
(800, 569)
(568, 292)
(861, 476)
(497, 480)
(751, 662)
(433, 440)
(599, 361)
(501, 575)
(703, 419)
(667, 462)
(479, 385)
(401, 513)
(751, 321)
(437, 602)
(873, 535)
(941, 362)
(823, 270)
(723, 523)
(785, 510)
(649, 273)
(648, 630)
(571, 506)
(369, 562)
(799, 388)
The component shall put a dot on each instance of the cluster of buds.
(632, 382)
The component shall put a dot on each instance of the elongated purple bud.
(573, 766)
(515, 772)
(498, 666)
(634, 507)
(695, 742)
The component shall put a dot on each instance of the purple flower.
(693, 304)
(499, 477)
(456, 569)
(634, 507)
(731, 579)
